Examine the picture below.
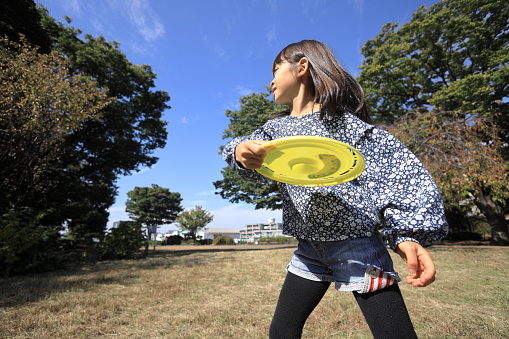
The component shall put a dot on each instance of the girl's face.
(285, 85)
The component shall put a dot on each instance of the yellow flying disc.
(311, 161)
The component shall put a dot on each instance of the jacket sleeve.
(229, 156)
(410, 205)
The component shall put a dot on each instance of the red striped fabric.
(377, 279)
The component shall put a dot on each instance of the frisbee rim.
(317, 142)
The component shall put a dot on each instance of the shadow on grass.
(185, 250)
(20, 290)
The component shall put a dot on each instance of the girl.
(340, 228)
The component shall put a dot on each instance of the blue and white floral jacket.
(395, 195)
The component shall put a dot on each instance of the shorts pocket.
(375, 279)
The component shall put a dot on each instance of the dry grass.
(232, 294)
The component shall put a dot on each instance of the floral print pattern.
(395, 195)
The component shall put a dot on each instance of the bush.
(277, 240)
(123, 242)
(462, 236)
(220, 239)
(174, 240)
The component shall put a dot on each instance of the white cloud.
(72, 6)
(232, 106)
(184, 120)
(194, 203)
(143, 17)
(116, 209)
(358, 4)
(271, 36)
(206, 193)
(273, 6)
(216, 47)
(143, 170)
(242, 90)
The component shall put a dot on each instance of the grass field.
(232, 294)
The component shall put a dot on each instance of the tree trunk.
(494, 213)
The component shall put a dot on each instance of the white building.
(253, 232)
(209, 233)
(206, 233)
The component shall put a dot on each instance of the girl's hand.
(420, 265)
(250, 154)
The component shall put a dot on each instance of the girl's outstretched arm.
(420, 264)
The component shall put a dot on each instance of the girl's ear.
(303, 66)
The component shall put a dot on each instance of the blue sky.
(208, 54)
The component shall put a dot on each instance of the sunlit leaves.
(153, 206)
(194, 220)
(40, 105)
(453, 55)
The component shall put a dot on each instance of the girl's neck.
(305, 108)
(309, 108)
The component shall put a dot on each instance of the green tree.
(41, 105)
(194, 220)
(80, 186)
(453, 55)
(21, 17)
(123, 241)
(153, 206)
(122, 141)
(253, 112)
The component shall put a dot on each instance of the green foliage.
(220, 239)
(277, 240)
(153, 206)
(21, 17)
(63, 141)
(173, 240)
(71, 122)
(453, 55)
(122, 242)
(254, 110)
(26, 245)
(193, 220)
(120, 142)
(41, 105)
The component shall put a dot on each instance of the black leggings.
(384, 310)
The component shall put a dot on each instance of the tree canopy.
(193, 220)
(21, 17)
(70, 166)
(453, 55)
(153, 206)
(121, 141)
(41, 104)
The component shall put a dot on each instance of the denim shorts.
(362, 265)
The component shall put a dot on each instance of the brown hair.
(333, 87)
